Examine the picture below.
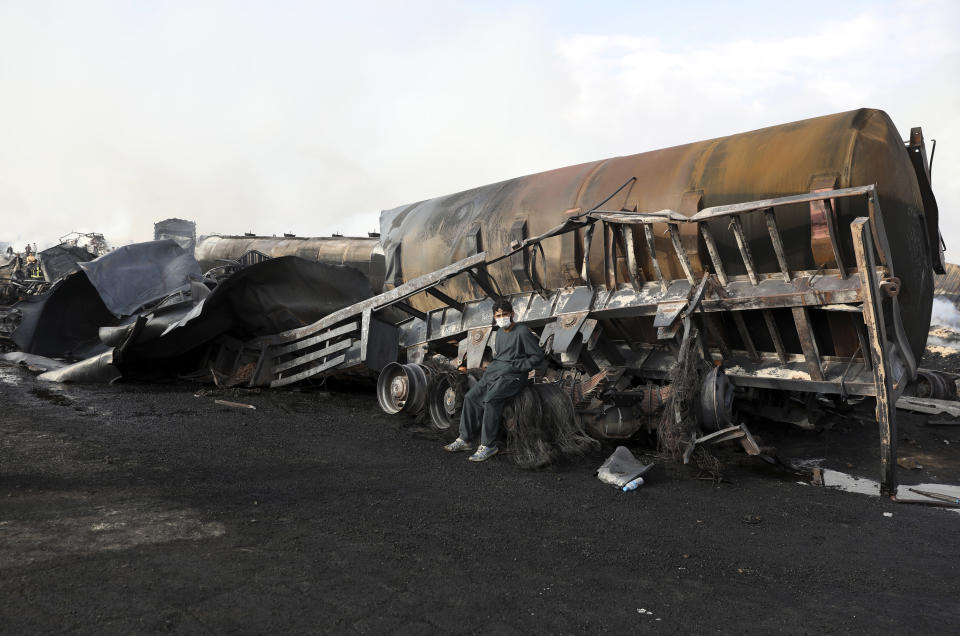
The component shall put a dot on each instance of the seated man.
(516, 351)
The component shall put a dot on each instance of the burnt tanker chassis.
(784, 270)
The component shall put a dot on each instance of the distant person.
(516, 351)
(34, 270)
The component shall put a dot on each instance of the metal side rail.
(341, 338)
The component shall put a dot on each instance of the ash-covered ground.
(143, 508)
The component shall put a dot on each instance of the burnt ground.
(137, 508)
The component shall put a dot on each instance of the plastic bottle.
(633, 485)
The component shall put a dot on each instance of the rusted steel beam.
(861, 330)
(652, 251)
(714, 254)
(312, 371)
(737, 227)
(763, 204)
(808, 342)
(777, 241)
(699, 291)
(681, 253)
(717, 211)
(717, 334)
(323, 337)
(439, 295)
(633, 218)
(775, 335)
(407, 309)
(636, 275)
(745, 335)
(609, 256)
(876, 333)
(625, 302)
(311, 357)
(585, 266)
(794, 376)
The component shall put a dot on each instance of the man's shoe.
(457, 445)
(484, 453)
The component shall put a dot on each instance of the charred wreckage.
(784, 273)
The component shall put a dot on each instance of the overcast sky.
(310, 117)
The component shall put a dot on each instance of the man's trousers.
(483, 407)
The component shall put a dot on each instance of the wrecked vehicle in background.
(223, 253)
(180, 231)
(25, 277)
(113, 316)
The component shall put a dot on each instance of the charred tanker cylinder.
(362, 253)
(855, 148)
(798, 259)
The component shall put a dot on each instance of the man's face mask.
(503, 321)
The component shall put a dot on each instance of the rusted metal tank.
(363, 253)
(855, 148)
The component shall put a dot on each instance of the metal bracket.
(734, 432)
(472, 347)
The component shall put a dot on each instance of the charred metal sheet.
(32, 361)
(63, 322)
(60, 261)
(99, 369)
(133, 276)
(266, 298)
(178, 334)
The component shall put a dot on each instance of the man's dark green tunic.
(515, 353)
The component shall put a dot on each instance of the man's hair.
(503, 305)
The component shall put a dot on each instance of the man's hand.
(461, 366)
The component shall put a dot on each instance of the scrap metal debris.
(929, 406)
(621, 468)
(952, 499)
(236, 405)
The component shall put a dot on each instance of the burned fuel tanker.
(779, 272)
(221, 252)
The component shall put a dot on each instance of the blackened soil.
(144, 508)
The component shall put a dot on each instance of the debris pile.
(146, 311)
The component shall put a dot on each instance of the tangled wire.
(679, 419)
(543, 428)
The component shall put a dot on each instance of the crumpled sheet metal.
(621, 468)
(64, 321)
(133, 276)
(263, 299)
(277, 295)
(60, 261)
(98, 369)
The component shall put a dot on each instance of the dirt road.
(144, 508)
